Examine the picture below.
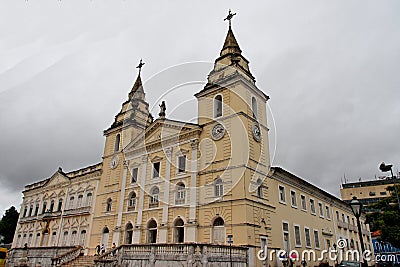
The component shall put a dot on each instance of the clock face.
(217, 131)
(114, 162)
(256, 132)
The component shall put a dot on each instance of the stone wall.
(33, 257)
(171, 255)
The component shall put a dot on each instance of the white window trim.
(295, 196)
(137, 175)
(177, 164)
(279, 194)
(328, 212)
(288, 232)
(319, 239)
(305, 237)
(311, 211)
(152, 170)
(321, 208)
(294, 234)
(222, 106)
(301, 204)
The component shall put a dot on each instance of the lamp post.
(230, 241)
(385, 168)
(356, 208)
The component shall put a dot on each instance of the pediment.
(56, 179)
(160, 130)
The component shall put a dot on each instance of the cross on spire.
(140, 65)
(229, 17)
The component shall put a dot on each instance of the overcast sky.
(331, 69)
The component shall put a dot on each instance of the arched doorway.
(128, 233)
(179, 231)
(104, 236)
(218, 231)
(152, 231)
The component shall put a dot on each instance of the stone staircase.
(81, 261)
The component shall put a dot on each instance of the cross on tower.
(229, 17)
(140, 65)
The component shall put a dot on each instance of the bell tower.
(234, 161)
(129, 123)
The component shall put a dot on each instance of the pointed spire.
(230, 44)
(137, 86)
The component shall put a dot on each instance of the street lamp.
(385, 168)
(356, 207)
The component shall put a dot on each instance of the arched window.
(30, 210)
(30, 240)
(82, 238)
(53, 239)
(36, 210)
(60, 201)
(128, 233)
(104, 236)
(254, 107)
(259, 188)
(154, 196)
(44, 207)
(152, 231)
(218, 231)
(217, 106)
(180, 194)
(108, 205)
(79, 203)
(218, 187)
(73, 238)
(88, 199)
(18, 241)
(51, 205)
(72, 202)
(45, 238)
(65, 238)
(117, 141)
(132, 201)
(179, 231)
(37, 240)
(25, 211)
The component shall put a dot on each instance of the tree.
(387, 218)
(8, 224)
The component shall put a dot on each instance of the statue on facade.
(163, 108)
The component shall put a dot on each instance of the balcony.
(77, 211)
(27, 219)
(50, 214)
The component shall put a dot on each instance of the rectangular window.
(264, 243)
(282, 196)
(182, 164)
(328, 212)
(286, 241)
(337, 216)
(134, 175)
(343, 218)
(303, 202)
(156, 169)
(293, 198)
(383, 193)
(321, 210)
(308, 238)
(297, 237)
(312, 206)
(316, 238)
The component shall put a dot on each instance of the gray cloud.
(329, 67)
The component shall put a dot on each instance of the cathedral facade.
(163, 181)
